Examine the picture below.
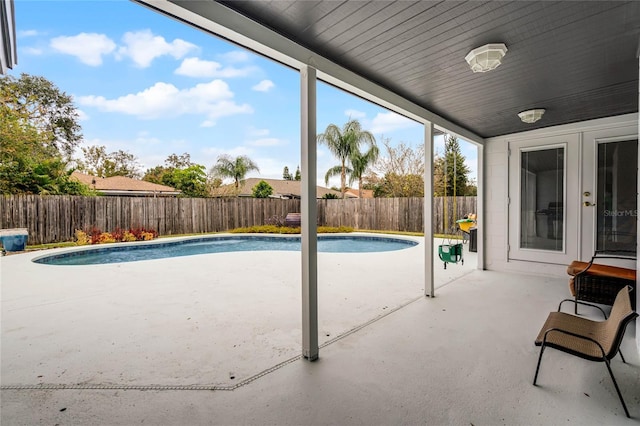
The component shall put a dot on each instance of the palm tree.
(343, 144)
(360, 163)
(235, 168)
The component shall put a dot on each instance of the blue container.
(13, 239)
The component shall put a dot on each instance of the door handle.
(588, 204)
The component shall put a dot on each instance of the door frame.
(588, 181)
(571, 221)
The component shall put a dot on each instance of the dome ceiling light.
(486, 58)
(531, 115)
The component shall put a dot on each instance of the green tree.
(98, 162)
(285, 174)
(402, 171)
(343, 143)
(30, 161)
(360, 164)
(450, 171)
(191, 181)
(298, 174)
(234, 168)
(178, 161)
(44, 107)
(156, 174)
(262, 190)
(330, 196)
(181, 173)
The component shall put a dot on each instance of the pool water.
(132, 253)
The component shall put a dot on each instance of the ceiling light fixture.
(532, 115)
(486, 58)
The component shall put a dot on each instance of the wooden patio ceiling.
(576, 59)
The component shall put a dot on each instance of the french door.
(572, 195)
(609, 192)
(543, 199)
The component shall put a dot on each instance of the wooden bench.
(292, 220)
(597, 283)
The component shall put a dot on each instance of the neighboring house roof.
(281, 189)
(121, 185)
(360, 193)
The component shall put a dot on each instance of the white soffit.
(230, 25)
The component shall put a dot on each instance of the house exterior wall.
(496, 211)
(496, 192)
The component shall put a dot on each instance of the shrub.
(141, 234)
(96, 236)
(272, 229)
(147, 236)
(334, 230)
(82, 239)
(276, 221)
(128, 237)
(266, 229)
(330, 196)
(262, 190)
(105, 238)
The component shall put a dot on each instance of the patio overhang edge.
(221, 21)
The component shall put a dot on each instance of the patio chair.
(591, 340)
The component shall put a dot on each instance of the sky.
(152, 86)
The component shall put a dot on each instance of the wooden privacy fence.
(393, 214)
(55, 218)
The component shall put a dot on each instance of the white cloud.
(264, 86)
(143, 138)
(210, 155)
(143, 47)
(355, 114)
(195, 67)
(34, 51)
(385, 122)
(253, 132)
(28, 33)
(164, 100)
(235, 56)
(87, 47)
(82, 116)
(267, 142)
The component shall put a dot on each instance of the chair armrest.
(579, 336)
(582, 303)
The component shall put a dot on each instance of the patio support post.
(309, 214)
(429, 290)
(480, 222)
(637, 292)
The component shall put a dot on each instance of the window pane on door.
(542, 199)
(616, 209)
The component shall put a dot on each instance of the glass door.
(616, 189)
(609, 191)
(542, 200)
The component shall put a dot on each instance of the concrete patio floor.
(110, 341)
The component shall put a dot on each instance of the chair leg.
(535, 378)
(622, 356)
(606, 361)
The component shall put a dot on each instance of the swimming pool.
(221, 244)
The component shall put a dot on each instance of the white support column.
(309, 214)
(637, 292)
(429, 289)
(480, 215)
